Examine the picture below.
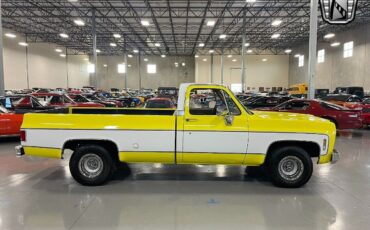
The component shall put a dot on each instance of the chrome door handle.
(191, 119)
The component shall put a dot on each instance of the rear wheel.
(290, 167)
(91, 165)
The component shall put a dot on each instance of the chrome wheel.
(90, 165)
(291, 168)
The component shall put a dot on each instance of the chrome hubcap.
(291, 168)
(90, 165)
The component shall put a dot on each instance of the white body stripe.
(126, 140)
(259, 142)
(164, 141)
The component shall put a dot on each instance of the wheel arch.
(311, 147)
(109, 145)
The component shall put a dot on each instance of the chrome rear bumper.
(335, 157)
(19, 150)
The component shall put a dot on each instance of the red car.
(10, 123)
(159, 103)
(342, 117)
(366, 111)
(62, 100)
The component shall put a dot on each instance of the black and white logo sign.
(338, 11)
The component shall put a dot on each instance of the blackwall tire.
(91, 165)
(290, 167)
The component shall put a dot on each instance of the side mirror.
(221, 111)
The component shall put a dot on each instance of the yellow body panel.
(298, 89)
(42, 152)
(98, 121)
(224, 158)
(147, 157)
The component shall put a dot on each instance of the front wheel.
(290, 167)
(91, 165)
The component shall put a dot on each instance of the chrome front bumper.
(335, 157)
(19, 150)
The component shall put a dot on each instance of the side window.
(354, 99)
(297, 105)
(206, 101)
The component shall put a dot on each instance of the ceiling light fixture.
(23, 44)
(63, 35)
(201, 45)
(196, 56)
(163, 55)
(247, 44)
(211, 51)
(275, 36)
(229, 56)
(113, 44)
(234, 60)
(145, 59)
(264, 60)
(211, 23)
(98, 50)
(204, 59)
(222, 36)
(79, 22)
(288, 51)
(157, 45)
(335, 44)
(136, 51)
(117, 35)
(297, 55)
(277, 22)
(145, 23)
(10, 35)
(129, 55)
(62, 55)
(249, 51)
(250, 0)
(328, 36)
(58, 50)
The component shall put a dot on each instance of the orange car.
(10, 123)
(346, 100)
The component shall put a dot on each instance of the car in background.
(22, 102)
(159, 103)
(320, 93)
(79, 98)
(342, 117)
(346, 100)
(10, 123)
(353, 90)
(261, 102)
(108, 103)
(366, 111)
(62, 100)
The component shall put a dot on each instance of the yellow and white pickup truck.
(209, 126)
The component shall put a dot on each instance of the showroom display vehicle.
(10, 123)
(219, 130)
(342, 117)
(62, 100)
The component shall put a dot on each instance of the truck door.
(215, 128)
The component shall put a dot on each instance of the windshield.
(331, 106)
(158, 104)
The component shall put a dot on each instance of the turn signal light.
(23, 135)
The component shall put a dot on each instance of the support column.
(27, 73)
(2, 80)
(212, 68)
(312, 50)
(222, 66)
(126, 64)
(242, 72)
(67, 68)
(139, 62)
(95, 56)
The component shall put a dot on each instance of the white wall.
(337, 71)
(167, 73)
(45, 67)
(272, 73)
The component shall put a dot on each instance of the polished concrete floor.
(40, 194)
